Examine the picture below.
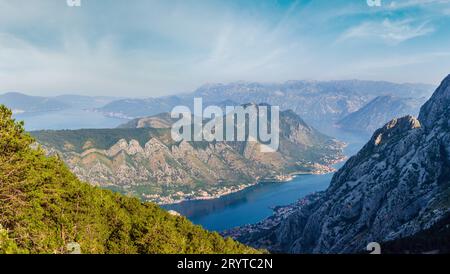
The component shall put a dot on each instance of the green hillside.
(44, 207)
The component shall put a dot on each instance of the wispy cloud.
(413, 68)
(169, 48)
(388, 31)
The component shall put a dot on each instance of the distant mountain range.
(379, 111)
(319, 103)
(85, 102)
(134, 108)
(21, 103)
(395, 191)
(142, 159)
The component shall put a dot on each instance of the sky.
(145, 48)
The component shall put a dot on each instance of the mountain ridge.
(379, 111)
(320, 103)
(147, 162)
(21, 103)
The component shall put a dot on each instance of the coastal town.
(180, 196)
(217, 192)
(279, 214)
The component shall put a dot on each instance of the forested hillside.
(44, 207)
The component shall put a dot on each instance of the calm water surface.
(72, 118)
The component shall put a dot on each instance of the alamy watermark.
(73, 3)
(259, 123)
(374, 3)
(374, 248)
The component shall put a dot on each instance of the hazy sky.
(152, 48)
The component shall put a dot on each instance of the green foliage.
(44, 207)
(7, 245)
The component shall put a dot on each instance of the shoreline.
(278, 179)
(320, 169)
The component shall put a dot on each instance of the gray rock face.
(435, 113)
(396, 186)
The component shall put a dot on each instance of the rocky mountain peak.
(395, 128)
(131, 148)
(437, 110)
